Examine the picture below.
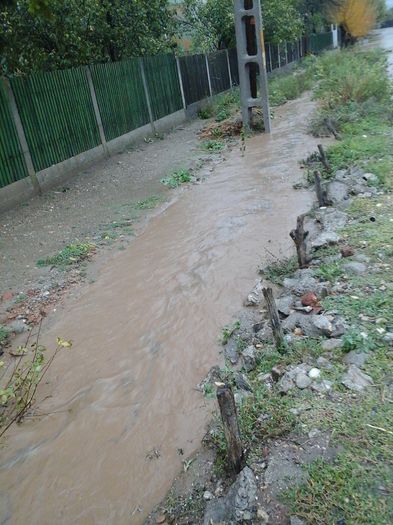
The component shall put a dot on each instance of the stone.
(354, 267)
(238, 505)
(355, 379)
(294, 520)
(160, 519)
(284, 304)
(360, 257)
(17, 327)
(311, 325)
(7, 296)
(262, 515)
(314, 432)
(323, 324)
(339, 328)
(264, 334)
(264, 378)
(337, 192)
(231, 352)
(388, 338)
(254, 298)
(285, 384)
(249, 357)
(314, 373)
(303, 282)
(242, 382)
(347, 251)
(356, 358)
(326, 238)
(309, 299)
(332, 344)
(277, 372)
(207, 496)
(331, 219)
(322, 362)
(302, 381)
(370, 177)
(322, 387)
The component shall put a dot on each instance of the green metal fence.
(12, 164)
(320, 42)
(163, 85)
(120, 96)
(57, 115)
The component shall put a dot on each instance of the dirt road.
(122, 403)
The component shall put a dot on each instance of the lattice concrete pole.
(242, 14)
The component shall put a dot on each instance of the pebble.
(314, 433)
(207, 495)
(314, 373)
(356, 358)
(302, 380)
(332, 344)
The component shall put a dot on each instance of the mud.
(121, 409)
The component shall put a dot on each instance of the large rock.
(356, 358)
(284, 304)
(231, 350)
(332, 344)
(355, 379)
(326, 238)
(354, 267)
(249, 358)
(303, 282)
(254, 298)
(238, 505)
(331, 219)
(337, 192)
(311, 325)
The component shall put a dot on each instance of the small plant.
(205, 113)
(17, 394)
(228, 331)
(329, 272)
(278, 270)
(70, 255)
(213, 145)
(223, 114)
(149, 203)
(3, 334)
(177, 178)
(208, 391)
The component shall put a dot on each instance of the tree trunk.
(274, 319)
(299, 237)
(230, 423)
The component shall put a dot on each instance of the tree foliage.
(211, 22)
(38, 34)
(358, 17)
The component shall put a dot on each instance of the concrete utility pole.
(251, 57)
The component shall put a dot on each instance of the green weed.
(3, 334)
(149, 203)
(213, 145)
(70, 255)
(228, 331)
(206, 112)
(277, 271)
(177, 178)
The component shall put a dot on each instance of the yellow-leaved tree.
(357, 17)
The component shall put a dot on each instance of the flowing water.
(145, 333)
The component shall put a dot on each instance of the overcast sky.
(389, 3)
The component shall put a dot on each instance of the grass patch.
(70, 255)
(284, 87)
(177, 179)
(149, 203)
(228, 331)
(213, 146)
(277, 271)
(3, 334)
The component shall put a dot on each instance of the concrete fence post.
(279, 56)
(208, 76)
(181, 83)
(229, 69)
(22, 137)
(97, 112)
(147, 95)
(270, 57)
(286, 53)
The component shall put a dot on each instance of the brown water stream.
(145, 333)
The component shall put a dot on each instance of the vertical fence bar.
(22, 137)
(97, 112)
(270, 56)
(208, 75)
(181, 83)
(229, 69)
(279, 57)
(147, 95)
(286, 53)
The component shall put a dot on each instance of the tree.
(211, 22)
(357, 17)
(77, 32)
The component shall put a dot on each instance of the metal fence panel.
(194, 75)
(320, 42)
(219, 73)
(120, 96)
(57, 115)
(12, 164)
(163, 85)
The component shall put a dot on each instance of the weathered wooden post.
(323, 158)
(299, 237)
(320, 191)
(274, 319)
(226, 402)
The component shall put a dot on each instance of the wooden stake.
(321, 191)
(299, 237)
(324, 160)
(230, 423)
(332, 129)
(274, 319)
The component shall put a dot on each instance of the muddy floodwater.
(117, 408)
